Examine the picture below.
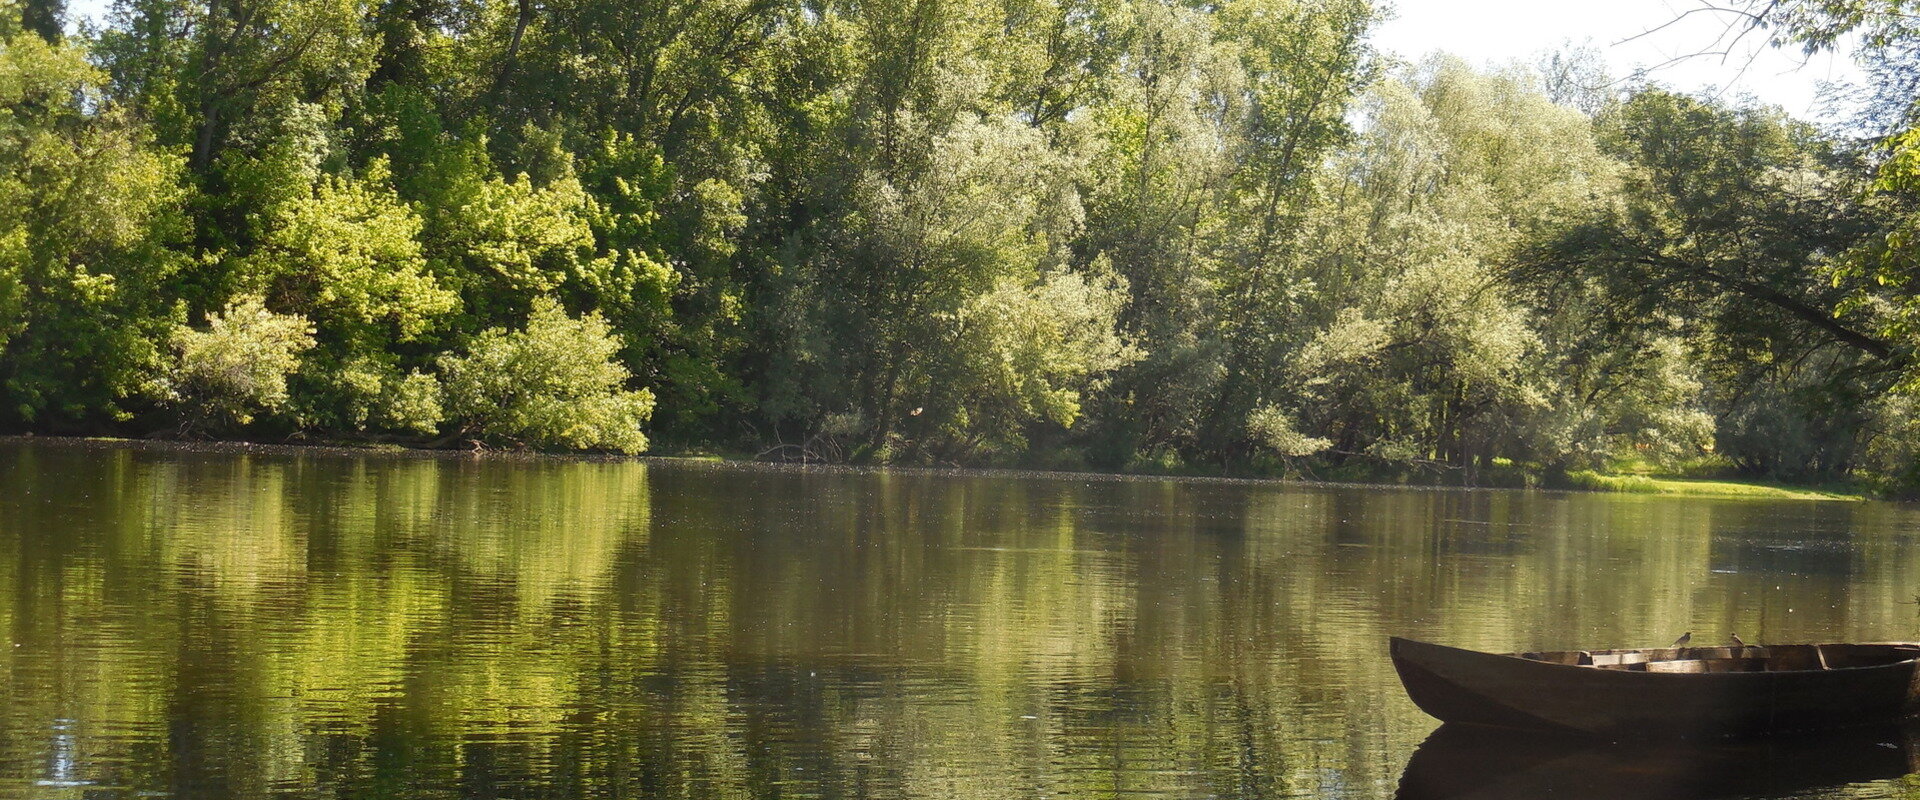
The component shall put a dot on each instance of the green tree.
(237, 64)
(44, 18)
(348, 256)
(1418, 354)
(1730, 220)
(1022, 358)
(89, 224)
(1303, 63)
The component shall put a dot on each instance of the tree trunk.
(523, 17)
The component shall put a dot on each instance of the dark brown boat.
(1666, 693)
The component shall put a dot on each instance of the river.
(199, 625)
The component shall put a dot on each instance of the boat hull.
(1467, 687)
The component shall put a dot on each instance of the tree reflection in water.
(215, 626)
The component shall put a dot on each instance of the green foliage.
(363, 393)
(924, 269)
(1420, 355)
(89, 219)
(1025, 355)
(234, 368)
(349, 254)
(1815, 25)
(1881, 268)
(1429, 371)
(554, 383)
(1274, 429)
(517, 238)
(1725, 234)
(1115, 233)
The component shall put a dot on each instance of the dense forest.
(1110, 234)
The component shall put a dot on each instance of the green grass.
(1698, 487)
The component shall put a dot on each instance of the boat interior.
(1747, 658)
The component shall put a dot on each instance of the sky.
(1628, 33)
(1499, 31)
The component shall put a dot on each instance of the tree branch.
(1819, 318)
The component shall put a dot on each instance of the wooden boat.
(1666, 693)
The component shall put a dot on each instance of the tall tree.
(89, 231)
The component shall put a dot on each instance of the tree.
(1430, 373)
(1576, 76)
(44, 18)
(1121, 233)
(1303, 62)
(1730, 221)
(207, 69)
(1159, 167)
(1023, 356)
(349, 256)
(89, 226)
(1416, 352)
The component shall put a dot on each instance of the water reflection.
(1463, 763)
(239, 626)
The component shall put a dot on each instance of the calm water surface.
(213, 626)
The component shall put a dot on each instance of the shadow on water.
(1466, 763)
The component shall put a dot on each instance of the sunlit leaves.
(1106, 232)
(236, 366)
(557, 382)
(1424, 355)
(1725, 229)
(1028, 352)
(349, 255)
(1884, 266)
(1273, 428)
(89, 211)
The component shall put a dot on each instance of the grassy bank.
(1702, 487)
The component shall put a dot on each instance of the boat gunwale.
(1725, 675)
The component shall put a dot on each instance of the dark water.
(212, 626)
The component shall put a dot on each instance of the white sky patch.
(1629, 33)
(95, 10)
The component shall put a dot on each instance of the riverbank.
(1700, 487)
(1580, 481)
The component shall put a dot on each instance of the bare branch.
(1707, 9)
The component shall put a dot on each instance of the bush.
(1273, 428)
(556, 383)
(237, 366)
(365, 393)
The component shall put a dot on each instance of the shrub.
(555, 383)
(235, 367)
(1023, 354)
